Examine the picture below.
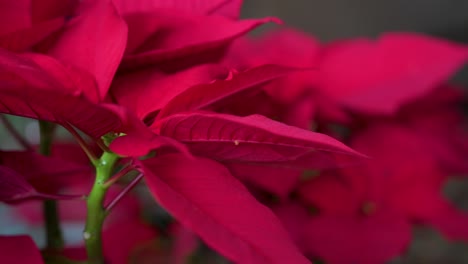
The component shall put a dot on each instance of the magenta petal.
(255, 139)
(379, 77)
(204, 95)
(97, 37)
(368, 240)
(205, 198)
(19, 249)
(30, 90)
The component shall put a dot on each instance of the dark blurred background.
(337, 19)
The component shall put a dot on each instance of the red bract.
(440, 123)
(294, 218)
(39, 87)
(284, 46)
(417, 177)
(25, 23)
(97, 36)
(276, 180)
(228, 8)
(185, 244)
(254, 139)
(377, 77)
(74, 211)
(16, 188)
(26, 175)
(371, 240)
(205, 96)
(173, 35)
(203, 196)
(148, 91)
(19, 249)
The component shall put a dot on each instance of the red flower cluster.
(217, 123)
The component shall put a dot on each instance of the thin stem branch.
(119, 175)
(91, 155)
(96, 212)
(102, 145)
(127, 189)
(16, 135)
(50, 210)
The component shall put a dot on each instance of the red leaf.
(52, 93)
(14, 15)
(367, 240)
(379, 77)
(24, 39)
(15, 188)
(19, 249)
(255, 139)
(47, 174)
(204, 95)
(97, 37)
(49, 9)
(204, 197)
(186, 244)
(332, 194)
(75, 210)
(294, 218)
(136, 146)
(163, 36)
(148, 91)
(278, 181)
(121, 251)
(139, 139)
(229, 8)
(116, 250)
(451, 222)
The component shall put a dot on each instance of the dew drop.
(86, 235)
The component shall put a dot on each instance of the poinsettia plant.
(191, 137)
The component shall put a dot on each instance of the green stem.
(47, 135)
(50, 210)
(96, 211)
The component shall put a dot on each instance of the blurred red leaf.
(19, 249)
(197, 191)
